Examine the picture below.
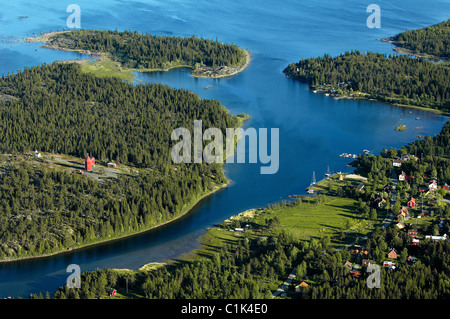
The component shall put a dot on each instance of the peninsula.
(401, 80)
(120, 53)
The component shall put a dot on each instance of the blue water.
(314, 129)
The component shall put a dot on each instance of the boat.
(313, 181)
(366, 152)
(328, 173)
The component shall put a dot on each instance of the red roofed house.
(412, 202)
(446, 187)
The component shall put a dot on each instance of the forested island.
(146, 52)
(60, 111)
(401, 80)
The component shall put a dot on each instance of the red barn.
(88, 163)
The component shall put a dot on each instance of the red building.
(412, 233)
(111, 292)
(412, 202)
(89, 163)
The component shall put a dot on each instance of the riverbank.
(186, 211)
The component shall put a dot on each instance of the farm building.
(110, 164)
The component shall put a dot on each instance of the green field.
(335, 217)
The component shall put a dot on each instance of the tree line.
(135, 50)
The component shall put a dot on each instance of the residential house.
(433, 186)
(392, 254)
(397, 163)
(388, 263)
(367, 262)
(348, 265)
(413, 233)
(412, 202)
(436, 238)
(415, 242)
(360, 186)
(111, 292)
(411, 259)
(300, 286)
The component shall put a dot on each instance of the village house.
(412, 232)
(436, 238)
(113, 165)
(411, 259)
(360, 186)
(367, 262)
(433, 186)
(379, 202)
(404, 177)
(415, 242)
(397, 163)
(111, 292)
(392, 254)
(300, 286)
(412, 202)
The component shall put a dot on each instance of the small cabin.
(110, 292)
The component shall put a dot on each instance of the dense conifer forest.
(394, 79)
(433, 40)
(58, 109)
(145, 51)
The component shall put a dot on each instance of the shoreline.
(247, 63)
(45, 37)
(186, 212)
(400, 49)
